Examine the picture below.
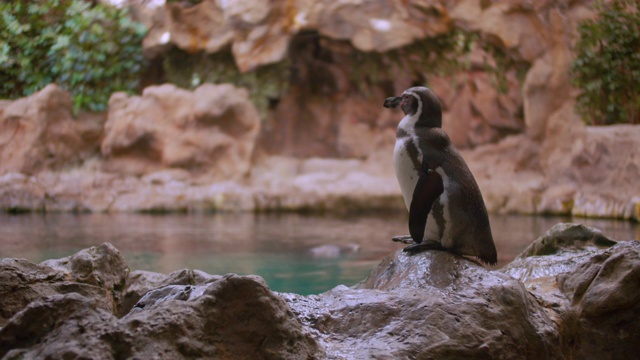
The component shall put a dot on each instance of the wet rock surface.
(571, 294)
(98, 273)
(430, 305)
(232, 318)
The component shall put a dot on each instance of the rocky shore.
(571, 294)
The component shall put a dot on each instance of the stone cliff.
(325, 141)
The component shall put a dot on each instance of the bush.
(91, 51)
(607, 67)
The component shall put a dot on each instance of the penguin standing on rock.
(446, 210)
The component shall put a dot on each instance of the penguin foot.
(427, 245)
(405, 239)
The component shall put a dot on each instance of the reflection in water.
(274, 246)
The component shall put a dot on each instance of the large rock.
(208, 132)
(232, 318)
(577, 170)
(588, 284)
(432, 305)
(98, 273)
(40, 132)
(605, 304)
(571, 294)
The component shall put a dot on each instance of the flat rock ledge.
(572, 294)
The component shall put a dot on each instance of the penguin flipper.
(428, 188)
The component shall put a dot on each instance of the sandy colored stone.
(40, 132)
(209, 131)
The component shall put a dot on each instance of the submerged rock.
(571, 294)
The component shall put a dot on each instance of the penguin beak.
(392, 102)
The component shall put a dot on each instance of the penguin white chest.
(405, 168)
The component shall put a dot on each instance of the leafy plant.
(607, 66)
(91, 51)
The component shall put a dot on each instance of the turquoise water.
(304, 254)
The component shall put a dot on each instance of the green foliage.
(607, 66)
(91, 51)
(266, 83)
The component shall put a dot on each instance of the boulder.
(232, 317)
(98, 273)
(63, 326)
(587, 283)
(431, 305)
(208, 132)
(40, 132)
(570, 294)
(605, 305)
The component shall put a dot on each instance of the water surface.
(294, 253)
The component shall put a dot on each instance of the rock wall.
(206, 149)
(571, 294)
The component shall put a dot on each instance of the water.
(278, 247)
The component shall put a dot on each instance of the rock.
(260, 32)
(141, 282)
(560, 249)
(571, 294)
(39, 132)
(20, 193)
(605, 308)
(463, 309)
(98, 273)
(63, 326)
(587, 284)
(101, 266)
(208, 132)
(232, 317)
(475, 112)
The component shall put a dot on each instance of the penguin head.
(419, 102)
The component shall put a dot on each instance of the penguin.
(446, 209)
